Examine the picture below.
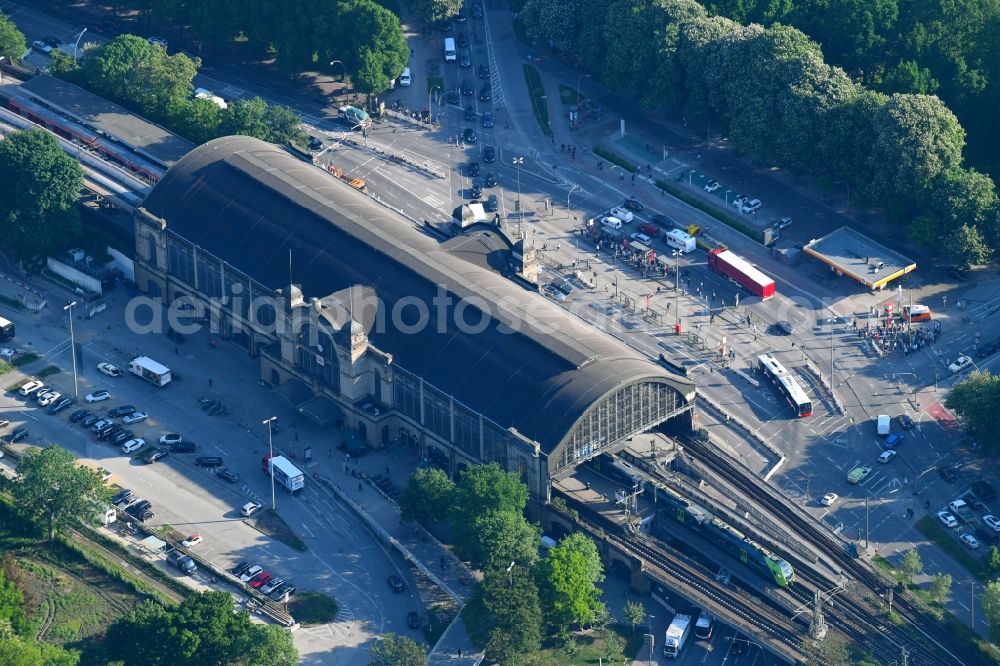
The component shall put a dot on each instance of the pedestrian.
(633, 179)
(176, 351)
(361, 488)
(296, 437)
(210, 382)
(459, 653)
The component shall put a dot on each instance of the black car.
(472, 170)
(138, 507)
(948, 474)
(958, 272)
(984, 490)
(905, 421)
(489, 154)
(469, 135)
(154, 456)
(463, 40)
(79, 415)
(16, 436)
(123, 410)
(314, 143)
(484, 72)
(208, 461)
(490, 180)
(122, 496)
(987, 349)
(107, 432)
(229, 475)
(182, 447)
(60, 405)
(88, 421)
(52, 41)
(452, 97)
(664, 221)
(122, 436)
(240, 568)
(485, 94)
(282, 593)
(634, 205)
(144, 516)
(470, 112)
(987, 535)
(475, 191)
(413, 620)
(477, 11)
(445, 26)
(491, 205)
(488, 120)
(466, 88)
(396, 583)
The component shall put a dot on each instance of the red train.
(86, 138)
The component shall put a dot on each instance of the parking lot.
(341, 558)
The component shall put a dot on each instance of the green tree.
(203, 629)
(965, 245)
(12, 42)
(433, 11)
(992, 560)
(502, 538)
(393, 650)
(911, 564)
(199, 120)
(53, 488)
(974, 400)
(11, 598)
(635, 614)
(991, 608)
(907, 76)
(567, 581)
(940, 587)
(482, 489)
(41, 184)
(612, 645)
(248, 117)
(284, 124)
(427, 496)
(503, 616)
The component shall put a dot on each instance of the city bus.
(6, 330)
(786, 385)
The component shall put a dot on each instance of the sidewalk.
(413, 543)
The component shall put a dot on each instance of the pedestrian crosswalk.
(432, 201)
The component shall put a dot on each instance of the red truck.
(740, 271)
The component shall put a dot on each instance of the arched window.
(318, 356)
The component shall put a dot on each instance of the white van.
(882, 424)
(679, 240)
(450, 55)
(404, 78)
(612, 222)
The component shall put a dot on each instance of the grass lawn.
(313, 608)
(538, 105)
(590, 649)
(5, 367)
(946, 541)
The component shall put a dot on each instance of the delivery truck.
(153, 372)
(740, 271)
(677, 634)
(285, 473)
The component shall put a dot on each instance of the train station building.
(372, 326)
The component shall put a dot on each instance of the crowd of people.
(890, 336)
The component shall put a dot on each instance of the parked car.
(60, 405)
(488, 120)
(50, 398)
(886, 456)
(251, 573)
(229, 475)
(192, 541)
(984, 490)
(960, 364)
(170, 439)
(260, 579)
(738, 201)
(992, 521)
(101, 424)
(135, 417)
(554, 292)
(208, 461)
(79, 415)
(969, 541)
(948, 474)
(396, 583)
(98, 396)
(712, 186)
(472, 169)
(413, 620)
(240, 569)
(109, 369)
(155, 456)
(475, 191)
(123, 496)
(183, 447)
(272, 585)
(122, 436)
(829, 499)
(947, 519)
(282, 593)
(89, 421)
(16, 436)
(122, 410)
(750, 205)
(39, 45)
(31, 387)
(133, 445)
(108, 433)
(905, 421)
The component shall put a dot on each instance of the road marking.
(432, 201)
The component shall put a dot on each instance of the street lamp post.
(578, 80)
(572, 189)
(691, 178)
(72, 348)
(270, 449)
(677, 288)
(518, 161)
(510, 573)
(343, 78)
(76, 47)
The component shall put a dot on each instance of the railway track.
(731, 605)
(937, 646)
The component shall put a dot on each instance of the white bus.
(679, 240)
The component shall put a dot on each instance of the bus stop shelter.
(851, 253)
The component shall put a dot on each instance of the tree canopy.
(567, 581)
(991, 607)
(54, 489)
(432, 11)
(12, 42)
(427, 496)
(483, 489)
(975, 400)
(897, 146)
(41, 186)
(203, 629)
(393, 650)
(504, 616)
